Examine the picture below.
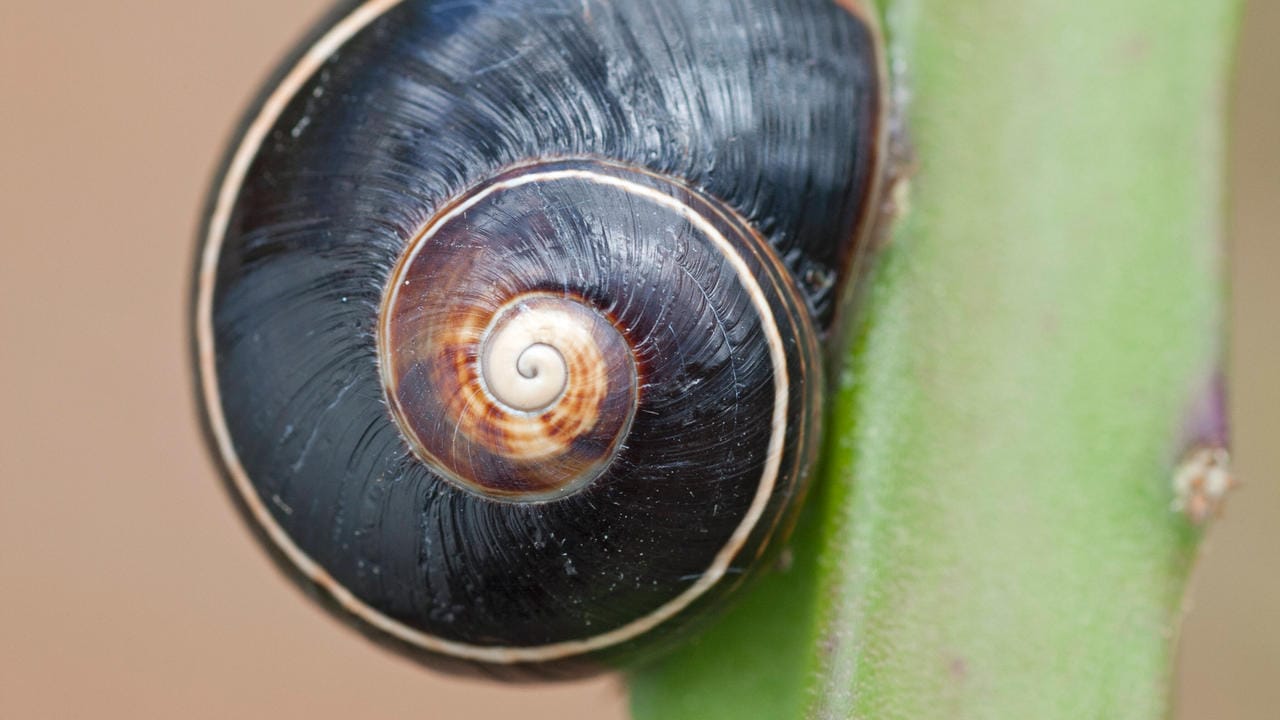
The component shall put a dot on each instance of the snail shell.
(508, 313)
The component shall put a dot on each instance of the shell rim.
(246, 150)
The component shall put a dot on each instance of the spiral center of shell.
(522, 400)
(522, 363)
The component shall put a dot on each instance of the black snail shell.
(508, 311)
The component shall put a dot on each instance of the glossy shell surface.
(508, 313)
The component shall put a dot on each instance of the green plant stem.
(991, 533)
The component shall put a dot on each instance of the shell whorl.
(510, 365)
(519, 398)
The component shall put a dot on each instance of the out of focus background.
(130, 589)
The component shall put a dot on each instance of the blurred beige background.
(115, 605)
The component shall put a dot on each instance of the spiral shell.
(508, 313)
